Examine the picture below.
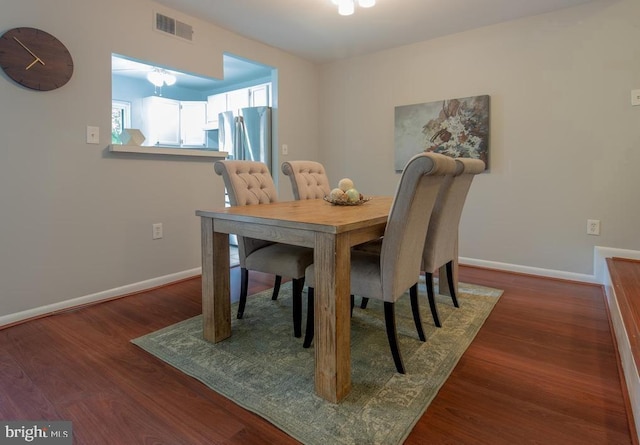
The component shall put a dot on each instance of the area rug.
(265, 369)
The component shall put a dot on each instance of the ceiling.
(312, 29)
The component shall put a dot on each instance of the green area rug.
(263, 368)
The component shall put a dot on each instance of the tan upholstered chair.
(387, 275)
(441, 245)
(308, 179)
(250, 183)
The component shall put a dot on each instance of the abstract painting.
(454, 127)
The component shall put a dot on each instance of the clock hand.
(37, 59)
(25, 47)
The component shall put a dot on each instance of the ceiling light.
(169, 79)
(159, 77)
(155, 77)
(347, 7)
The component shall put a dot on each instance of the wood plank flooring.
(542, 370)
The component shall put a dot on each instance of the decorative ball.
(337, 195)
(345, 184)
(352, 195)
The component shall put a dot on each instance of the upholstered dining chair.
(251, 183)
(396, 268)
(441, 244)
(308, 179)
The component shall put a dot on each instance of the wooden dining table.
(331, 231)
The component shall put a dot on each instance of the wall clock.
(35, 59)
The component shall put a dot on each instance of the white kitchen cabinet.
(229, 101)
(161, 121)
(234, 100)
(169, 122)
(192, 121)
(216, 104)
(259, 96)
(237, 99)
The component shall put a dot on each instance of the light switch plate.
(93, 135)
(635, 97)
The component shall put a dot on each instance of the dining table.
(331, 230)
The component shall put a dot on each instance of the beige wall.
(76, 220)
(565, 141)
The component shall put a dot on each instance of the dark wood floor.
(542, 370)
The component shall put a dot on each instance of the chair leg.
(276, 287)
(364, 302)
(432, 300)
(353, 303)
(244, 284)
(452, 287)
(308, 336)
(310, 330)
(298, 285)
(415, 308)
(392, 335)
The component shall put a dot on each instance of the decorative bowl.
(346, 203)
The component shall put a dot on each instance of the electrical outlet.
(157, 231)
(285, 149)
(593, 227)
(635, 97)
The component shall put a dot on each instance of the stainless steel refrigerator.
(246, 135)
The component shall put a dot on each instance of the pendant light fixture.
(347, 7)
(160, 77)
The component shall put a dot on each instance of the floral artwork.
(455, 127)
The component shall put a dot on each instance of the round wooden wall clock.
(35, 59)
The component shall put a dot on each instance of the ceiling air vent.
(174, 27)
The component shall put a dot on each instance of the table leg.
(216, 301)
(332, 257)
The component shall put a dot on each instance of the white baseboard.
(600, 254)
(529, 270)
(99, 296)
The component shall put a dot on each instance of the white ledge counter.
(174, 151)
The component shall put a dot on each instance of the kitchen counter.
(173, 151)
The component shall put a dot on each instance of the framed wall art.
(454, 127)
